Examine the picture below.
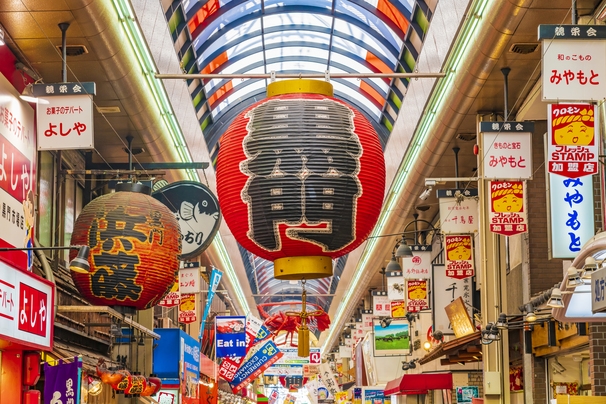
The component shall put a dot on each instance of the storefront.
(177, 364)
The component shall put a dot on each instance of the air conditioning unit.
(166, 322)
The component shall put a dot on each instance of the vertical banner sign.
(229, 367)
(459, 256)
(253, 327)
(398, 308)
(395, 285)
(172, 298)
(187, 308)
(573, 144)
(328, 379)
(507, 150)
(312, 390)
(62, 382)
(189, 278)
(264, 357)
(573, 62)
(18, 179)
(417, 296)
(380, 304)
(445, 291)
(571, 206)
(459, 211)
(419, 265)
(230, 336)
(215, 278)
(65, 115)
(507, 212)
(367, 320)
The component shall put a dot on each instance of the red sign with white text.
(573, 141)
(17, 174)
(26, 308)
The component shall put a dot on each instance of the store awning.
(459, 350)
(420, 383)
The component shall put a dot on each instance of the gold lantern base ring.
(305, 267)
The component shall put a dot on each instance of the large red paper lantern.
(134, 245)
(300, 178)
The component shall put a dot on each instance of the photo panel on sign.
(395, 285)
(393, 340)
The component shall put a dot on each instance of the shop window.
(46, 198)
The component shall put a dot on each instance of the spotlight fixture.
(79, 264)
(438, 336)
(489, 334)
(385, 322)
(404, 250)
(115, 330)
(141, 342)
(557, 366)
(411, 317)
(530, 316)
(573, 278)
(555, 301)
(393, 265)
(502, 321)
(427, 346)
(590, 267)
(409, 365)
(405, 366)
(28, 94)
(425, 194)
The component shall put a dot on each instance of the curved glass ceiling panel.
(288, 19)
(289, 36)
(372, 20)
(347, 92)
(248, 87)
(240, 45)
(388, 61)
(300, 51)
(359, 67)
(349, 30)
(326, 4)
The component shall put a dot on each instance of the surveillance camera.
(430, 183)
(425, 194)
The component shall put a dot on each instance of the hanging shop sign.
(197, 211)
(17, 176)
(329, 380)
(459, 256)
(419, 265)
(284, 370)
(187, 308)
(62, 382)
(417, 295)
(598, 291)
(507, 150)
(275, 211)
(189, 278)
(27, 304)
(459, 318)
(229, 367)
(380, 304)
(459, 210)
(265, 356)
(230, 332)
(65, 115)
(393, 340)
(173, 297)
(395, 285)
(177, 356)
(507, 211)
(291, 356)
(367, 320)
(445, 291)
(572, 214)
(398, 308)
(573, 142)
(134, 248)
(573, 62)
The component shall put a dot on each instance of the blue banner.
(230, 336)
(266, 355)
(62, 382)
(215, 278)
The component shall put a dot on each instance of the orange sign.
(459, 256)
(507, 212)
(398, 308)
(417, 296)
(187, 308)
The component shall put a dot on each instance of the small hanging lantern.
(300, 178)
(134, 245)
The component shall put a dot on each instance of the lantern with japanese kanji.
(134, 245)
(300, 178)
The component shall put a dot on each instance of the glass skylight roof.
(295, 36)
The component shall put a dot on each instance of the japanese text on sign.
(459, 256)
(507, 212)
